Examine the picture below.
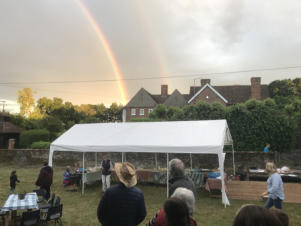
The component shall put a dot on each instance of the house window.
(133, 111)
(142, 111)
(150, 110)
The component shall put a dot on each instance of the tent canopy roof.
(165, 137)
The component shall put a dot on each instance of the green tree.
(114, 113)
(159, 112)
(297, 82)
(44, 105)
(284, 88)
(26, 101)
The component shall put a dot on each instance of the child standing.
(13, 180)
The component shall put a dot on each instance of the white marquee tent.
(194, 137)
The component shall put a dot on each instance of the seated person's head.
(187, 196)
(176, 168)
(282, 216)
(176, 212)
(68, 168)
(252, 215)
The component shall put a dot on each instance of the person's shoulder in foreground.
(122, 204)
(252, 215)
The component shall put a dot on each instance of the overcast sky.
(52, 40)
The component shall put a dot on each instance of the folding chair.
(57, 201)
(54, 214)
(30, 218)
(2, 215)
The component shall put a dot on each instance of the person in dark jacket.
(45, 179)
(13, 179)
(122, 204)
(178, 177)
(106, 167)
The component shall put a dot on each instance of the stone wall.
(148, 160)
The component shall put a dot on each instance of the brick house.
(143, 102)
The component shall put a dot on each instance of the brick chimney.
(205, 81)
(164, 90)
(256, 88)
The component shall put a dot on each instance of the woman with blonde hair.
(275, 187)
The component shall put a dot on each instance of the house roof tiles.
(175, 99)
(142, 99)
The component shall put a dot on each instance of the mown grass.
(81, 210)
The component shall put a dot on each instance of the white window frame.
(141, 111)
(150, 110)
(133, 111)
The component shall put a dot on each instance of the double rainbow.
(108, 50)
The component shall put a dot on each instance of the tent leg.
(190, 161)
(95, 159)
(221, 159)
(167, 178)
(233, 160)
(83, 184)
(123, 157)
(156, 160)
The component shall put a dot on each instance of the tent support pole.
(190, 161)
(156, 160)
(233, 160)
(83, 172)
(167, 172)
(95, 159)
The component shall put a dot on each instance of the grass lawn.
(81, 210)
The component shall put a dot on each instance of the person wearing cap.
(122, 204)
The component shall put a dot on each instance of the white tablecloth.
(14, 203)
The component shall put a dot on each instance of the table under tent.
(190, 137)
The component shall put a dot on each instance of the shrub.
(30, 136)
(40, 145)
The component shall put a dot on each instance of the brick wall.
(147, 160)
(207, 95)
(129, 116)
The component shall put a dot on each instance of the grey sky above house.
(52, 40)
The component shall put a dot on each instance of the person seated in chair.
(67, 176)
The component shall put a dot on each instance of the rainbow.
(108, 50)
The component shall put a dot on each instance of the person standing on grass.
(178, 177)
(275, 187)
(45, 179)
(13, 179)
(106, 167)
(122, 204)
